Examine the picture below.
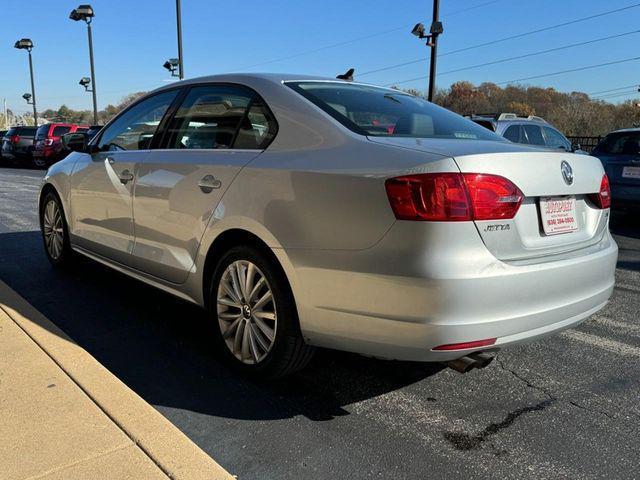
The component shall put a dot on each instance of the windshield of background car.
(383, 112)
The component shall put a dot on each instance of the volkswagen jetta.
(304, 212)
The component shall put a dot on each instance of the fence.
(586, 143)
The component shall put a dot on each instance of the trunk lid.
(538, 174)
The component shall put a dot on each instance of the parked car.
(531, 130)
(17, 145)
(90, 133)
(2, 134)
(619, 153)
(47, 148)
(279, 205)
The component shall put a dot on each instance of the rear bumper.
(391, 303)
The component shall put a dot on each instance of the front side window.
(134, 129)
(555, 139)
(513, 133)
(377, 111)
(533, 135)
(209, 118)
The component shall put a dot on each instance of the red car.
(47, 146)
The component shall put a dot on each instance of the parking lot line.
(603, 343)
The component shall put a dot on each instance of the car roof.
(625, 130)
(251, 78)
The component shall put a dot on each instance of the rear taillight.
(48, 142)
(602, 199)
(453, 197)
(467, 345)
(14, 138)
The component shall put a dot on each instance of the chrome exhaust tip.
(469, 362)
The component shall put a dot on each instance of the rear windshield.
(42, 132)
(59, 131)
(621, 143)
(384, 112)
(25, 131)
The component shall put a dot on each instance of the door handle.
(208, 183)
(125, 176)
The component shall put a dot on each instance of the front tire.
(55, 232)
(255, 315)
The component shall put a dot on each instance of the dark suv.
(47, 148)
(17, 145)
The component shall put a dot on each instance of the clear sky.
(132, 39)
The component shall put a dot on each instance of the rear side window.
(59, 131)
(26, 131)
(377, 111)
(513, 133)
(555, 139)
(622, 143)
(257, 128)
(220, 117)
(134, 129)
(533, 135)
(42, 132)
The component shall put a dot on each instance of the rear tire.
(55, 232)
(256, 320)
(38, 163)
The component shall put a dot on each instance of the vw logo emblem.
(567, 172)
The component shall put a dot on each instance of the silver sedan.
(305, 212)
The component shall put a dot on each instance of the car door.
(103, 181)
(216, 130)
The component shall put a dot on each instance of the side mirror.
(76, 142)
(575, 147)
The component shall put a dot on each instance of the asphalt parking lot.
(564, 407)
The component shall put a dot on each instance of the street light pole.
(86, 13)
(436, 29)
(33, 92)
(179, 22)
(93, 74)
(27, 44)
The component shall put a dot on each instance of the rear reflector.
(453, 197)
(467, 345)
(602, 199)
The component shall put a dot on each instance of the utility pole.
(179, 22)
(432, 41)
(93, 75)
(6, 119)
(436, 30)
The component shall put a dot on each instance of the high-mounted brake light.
(467, 345)
(453, 197)
(602, 199)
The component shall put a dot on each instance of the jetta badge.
(567, 172)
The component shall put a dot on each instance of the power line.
(539, 30)
(541, 52)
(614, 89)
(579, 69)
(504, 39)
(625, 94)
(358, 39)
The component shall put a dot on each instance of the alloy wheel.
(246, 312)
(53, 229)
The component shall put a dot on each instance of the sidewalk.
(64, 416)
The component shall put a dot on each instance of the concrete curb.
(172, 451)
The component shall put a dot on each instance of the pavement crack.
(465, 441)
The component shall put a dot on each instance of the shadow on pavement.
(158, 345)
